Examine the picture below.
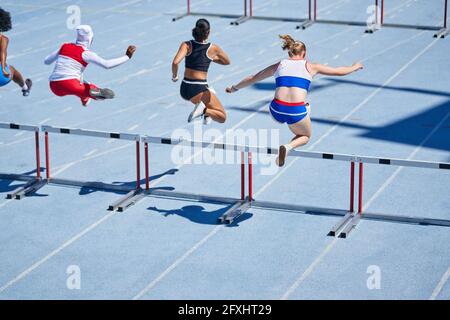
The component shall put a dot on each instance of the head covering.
(85, 35)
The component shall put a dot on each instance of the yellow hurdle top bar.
(298, 153)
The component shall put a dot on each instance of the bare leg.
(17, 76)
(302, 131)
(214, 108)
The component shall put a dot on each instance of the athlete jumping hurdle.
(198, 54)
(71, 61)
(8, 72)
(293, 77)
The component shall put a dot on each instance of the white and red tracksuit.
(71, 61)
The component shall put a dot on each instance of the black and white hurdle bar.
(133, 194)
(442, 30)
(33, 183)
(349, 218)
(238, 18)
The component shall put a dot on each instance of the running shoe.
(101, 94)
(198, 111)
(29, 84)
(282, 153)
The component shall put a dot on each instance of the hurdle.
(239, 18)
(132, 196)
(32, 183)
(442, 31)
(349, 218)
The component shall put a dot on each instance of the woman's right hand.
(357, 66)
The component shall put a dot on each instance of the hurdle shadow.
(85, 190)
(408, 131)
(7, 186)
(198, 214)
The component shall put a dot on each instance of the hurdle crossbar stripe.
(15, 126)
(297, 153)
(92, 133)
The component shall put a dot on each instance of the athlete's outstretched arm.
(219, 56)
(317, 68)
(51, 57)
(92, 57)
(3, 52)
(261, 75)
(181, 54)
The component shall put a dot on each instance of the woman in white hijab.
(71, 61)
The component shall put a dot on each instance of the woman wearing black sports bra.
(198, 55)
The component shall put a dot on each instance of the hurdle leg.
(242, 176)
(47, 157)
(355, 220)
(308, 22)
(342, 222)
(147, 169)
(250, 177)
(442, 33)
(38, 156)
(245, 16)
(138, 166)
(187, 13)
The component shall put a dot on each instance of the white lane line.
(440, 285)
(153, 116)
(90, 153)
(327, 249)
(66, 110)
(19, 134)
(345, 50)
(336, 57)
(355, 42)
(45, 120)
(6, 202)
(176, 263)
(54, 252)
(133, 127)
(309, 270)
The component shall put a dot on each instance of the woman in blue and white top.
(293, 77)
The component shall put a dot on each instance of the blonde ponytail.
(293, 47)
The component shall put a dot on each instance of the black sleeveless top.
(198, 58)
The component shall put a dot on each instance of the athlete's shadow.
(11, 185)
(131, 184)
(198, 214)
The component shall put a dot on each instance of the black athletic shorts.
(190, 88)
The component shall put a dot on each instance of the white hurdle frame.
(349, 218)
(33, 183)
(133, 195)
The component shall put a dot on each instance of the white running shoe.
(207, 120)
(198, 111)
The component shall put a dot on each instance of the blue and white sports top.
(293, 73)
